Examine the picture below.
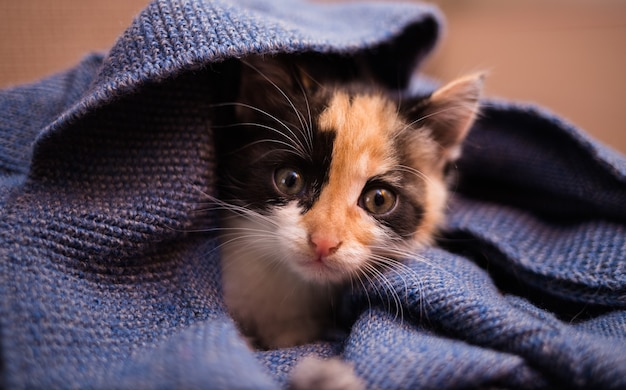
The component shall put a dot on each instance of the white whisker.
(364, 273)
(241, 211)
(408, 256)
(293, 138)
(392, 295)
(309, 129)
(292, 149)
(289, 101)
(438, 112)
(414, 171)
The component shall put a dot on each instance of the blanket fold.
(109, 271)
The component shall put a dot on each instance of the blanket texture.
(107, 280)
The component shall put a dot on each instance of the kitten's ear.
(450, 112)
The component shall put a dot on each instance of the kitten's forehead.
(364, 126)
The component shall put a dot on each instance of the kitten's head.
(332, 178)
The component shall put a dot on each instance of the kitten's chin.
(333, 270)
(318, 272)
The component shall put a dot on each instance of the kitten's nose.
(322, 245)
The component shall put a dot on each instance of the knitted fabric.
(109, 274)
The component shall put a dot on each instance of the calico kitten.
(324, 180)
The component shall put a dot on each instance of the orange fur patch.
(362, 148)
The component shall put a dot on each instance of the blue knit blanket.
(108, 281)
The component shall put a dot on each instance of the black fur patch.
(250, 150)
(407, 214)
(405, 217)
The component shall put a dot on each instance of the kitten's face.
(335, 181)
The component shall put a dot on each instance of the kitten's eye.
(288, 181)
(378, 200)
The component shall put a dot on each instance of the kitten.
(325, 179)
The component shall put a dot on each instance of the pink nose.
(323, 246)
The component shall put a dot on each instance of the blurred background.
(566, 55)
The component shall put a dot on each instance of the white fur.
(273, 286)
(263, 286)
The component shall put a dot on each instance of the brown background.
(567, 55)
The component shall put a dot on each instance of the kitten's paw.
(332, 374)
